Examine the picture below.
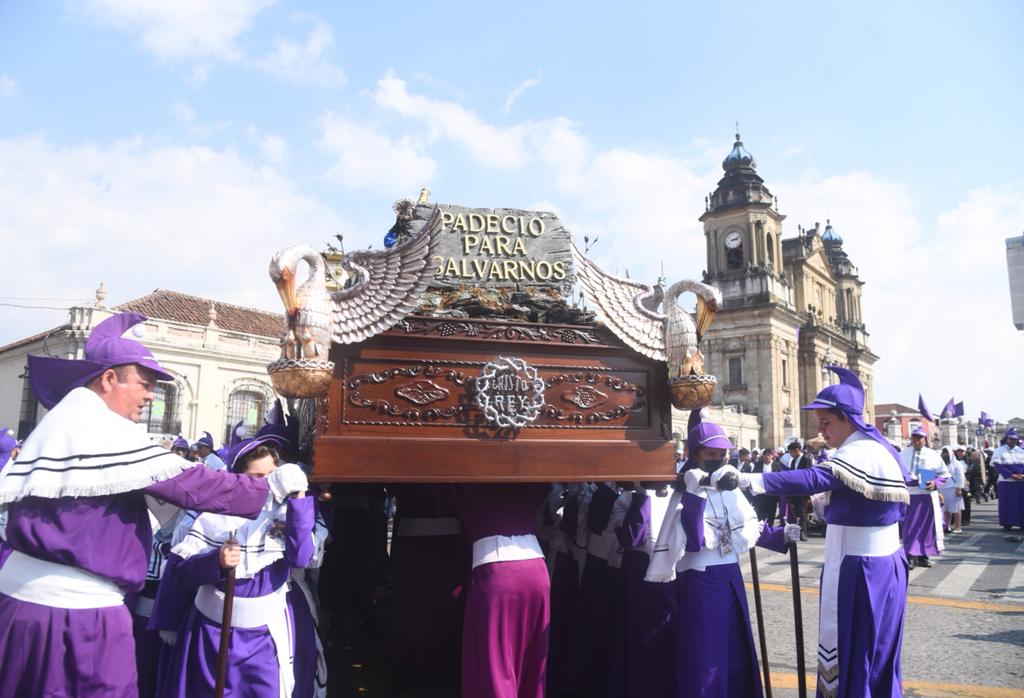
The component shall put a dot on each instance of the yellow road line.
(932, 689)
(923, 600)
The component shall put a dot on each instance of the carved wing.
(388, 285)
(618, 303)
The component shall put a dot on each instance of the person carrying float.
(1008, 460)
(864, 580)
(78, 501)
(698, 548)
(263, 553)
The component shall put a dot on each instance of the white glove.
(792, 533)
(717, 475)
(169, 637)
(286, 479)
(692, 478)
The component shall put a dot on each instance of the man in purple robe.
(922, 527)
(78, 500)
(864, 581)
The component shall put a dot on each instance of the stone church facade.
(790, 306)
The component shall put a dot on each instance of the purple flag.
(948, 410)
(958, 409)
(984, 420)
(923, 409)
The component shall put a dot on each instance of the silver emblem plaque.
(509, 392)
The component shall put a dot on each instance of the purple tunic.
(920, 536)
(56, 651)
(1011, 494)
(505, 631)
(252, 657)
(872, 590)
(643, 660)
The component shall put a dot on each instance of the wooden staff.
(760, 624)
(798, 617)
(225, 627)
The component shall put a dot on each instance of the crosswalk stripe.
(960, 578)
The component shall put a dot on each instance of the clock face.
(733, 239)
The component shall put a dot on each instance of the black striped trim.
(828, 655)
(104, 466)
(881, 481)
(91, 455)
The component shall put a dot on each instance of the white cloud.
(306, 62)
(515, 94)
(138, 216)
(492, 146)
(274, 148)
(8, 87)
(184, 113)
(179, 30)
(368, 159)
(936, 298)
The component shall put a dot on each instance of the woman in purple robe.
(78, 501)
(864, 579)
(505, 628)
(716, 656)
(261, 649)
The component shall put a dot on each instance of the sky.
(150, 144)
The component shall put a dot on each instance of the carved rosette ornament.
(509, 393)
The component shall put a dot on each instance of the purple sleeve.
(200, 569)
(635, 525)
(1009, 469)
(298, 530)
(791, 483)
(215, 491)
(172, 598)
(773, 538)
(692, 518)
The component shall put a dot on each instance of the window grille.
(246, 406)
(161, 416)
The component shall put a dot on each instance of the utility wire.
(34, 307)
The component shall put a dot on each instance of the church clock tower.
(753, 345)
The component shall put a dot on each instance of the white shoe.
(957, 530)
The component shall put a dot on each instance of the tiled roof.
(885, 408)
(179, 307)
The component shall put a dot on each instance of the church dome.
(830, 235)
(740, 157)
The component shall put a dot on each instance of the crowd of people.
(224, 567)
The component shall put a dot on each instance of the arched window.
(734, 258)
(248, 406)
(162, 416)
(770, 241)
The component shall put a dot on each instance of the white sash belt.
(505, 549)
(144, 606)
(436, 526)
(30, 579)
(252, 612)
(865, 541)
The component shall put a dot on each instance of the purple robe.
(717, 658)
(1011, 494)
(872, 590)
(252, 657)
(920, 536)
(505, 631)
(56, 651)
(645, 647)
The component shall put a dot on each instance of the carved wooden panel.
(402, 407)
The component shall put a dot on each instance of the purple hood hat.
(1011, 433)
(205, 440)
(53, 378)
(703, 435)
(180, 442)
(8, 443)
(284, 431)
(848, 398)
(245, 446)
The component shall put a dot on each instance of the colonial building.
(790, 306)
(217, 352)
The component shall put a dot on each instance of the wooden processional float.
(456, 355)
